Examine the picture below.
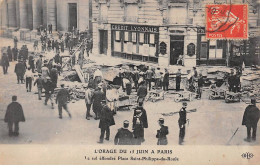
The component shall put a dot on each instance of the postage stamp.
(227, 21)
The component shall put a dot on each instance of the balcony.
(130, 19)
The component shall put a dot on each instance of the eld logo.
(247, 155)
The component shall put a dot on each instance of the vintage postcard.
(129, 82)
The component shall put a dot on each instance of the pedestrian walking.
(200, 85)
(15, 53)
(15, 42)
(141, 92)
(98, 96)
(45, 72)
(9, 53)
(250, 120)
(139, 123)
(49, 90)
(162, 133)
(231, 81)
(88, 100)
(106, 120)
(39, 81)
(20, 69)
(165, 80)
(123, 135)
(178, 80)
(35, 45)
(14, 115)
(39, 64)
(62, 98)
(62, 46)
(182, 122)
(149, 77)
(136, 77)
(5, 63)
(31, 63)
(50, 28)
(54, 75)
(28, 79)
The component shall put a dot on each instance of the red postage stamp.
(227, 21)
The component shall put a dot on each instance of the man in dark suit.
(15, 53)
(139, 123)
(141, 92)
(182, 122)
(20, 70)
(250, 120)
(124, 136)
(62, 98)
(9, 53)
(5, 63)
(106, 120)
(14, 115)
(98, 96)
(161, 133)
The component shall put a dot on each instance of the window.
(146, 38)
(141, 37)
(134, 37)
(152, 36)
(117, 36)
(126, 36)
(215, 49)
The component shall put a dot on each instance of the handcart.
(155, 95)
(232, 97)
(216, 94)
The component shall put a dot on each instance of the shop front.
(135, 42)
(210, 52)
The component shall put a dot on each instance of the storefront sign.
(137, 28)
(191, 49)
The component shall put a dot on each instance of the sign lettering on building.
(137, 28)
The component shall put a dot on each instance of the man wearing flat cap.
(106, 120)
(62, 98)
(124, 136)
(182, 122)
(97, 97)
(161, 133)
(250, 120)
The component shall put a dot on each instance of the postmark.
(227, 21)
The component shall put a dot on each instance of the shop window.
(126, 36)
(215, 49)
(117, 36)
(178, 15)
(141, 37)
(134, 37)
(152, 36)
(146, 38)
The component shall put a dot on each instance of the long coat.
(106, 117)
(20, 68)
(14, 113)
(5, 61)
(251, 116)
(98, 96)
(123, 137)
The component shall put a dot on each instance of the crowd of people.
(141, 78)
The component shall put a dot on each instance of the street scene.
(106, 82)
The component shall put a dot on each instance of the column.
(30, 14)
(3, 14)
(11, 13)
(23, 14)
(17, 13)
(51, 14)
(37, 13)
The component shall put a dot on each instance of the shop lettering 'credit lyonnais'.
(138, 28)
(227, 21)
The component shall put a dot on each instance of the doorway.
(103, 37)
(73, 16)
(176, 48)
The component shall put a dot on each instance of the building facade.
(141, 29)
(30, 14)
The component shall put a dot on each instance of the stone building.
(141, 29)
(30, 14)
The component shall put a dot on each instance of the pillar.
(23, 14)
(37, 13)
(11, 13)
(30, 14)
(3, 14)
(51, 14)
(17, 13)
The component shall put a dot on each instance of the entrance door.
(103, 41)
(72, 16)
(204, 51)
(176, 47)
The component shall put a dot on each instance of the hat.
(39, 74)
(161, 120)
(103, 101)
(126, 122)
(184, 103)
(48, 78)
(253, 100)
(194, 67)
(62, 84)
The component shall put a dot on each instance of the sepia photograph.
(129, 82)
